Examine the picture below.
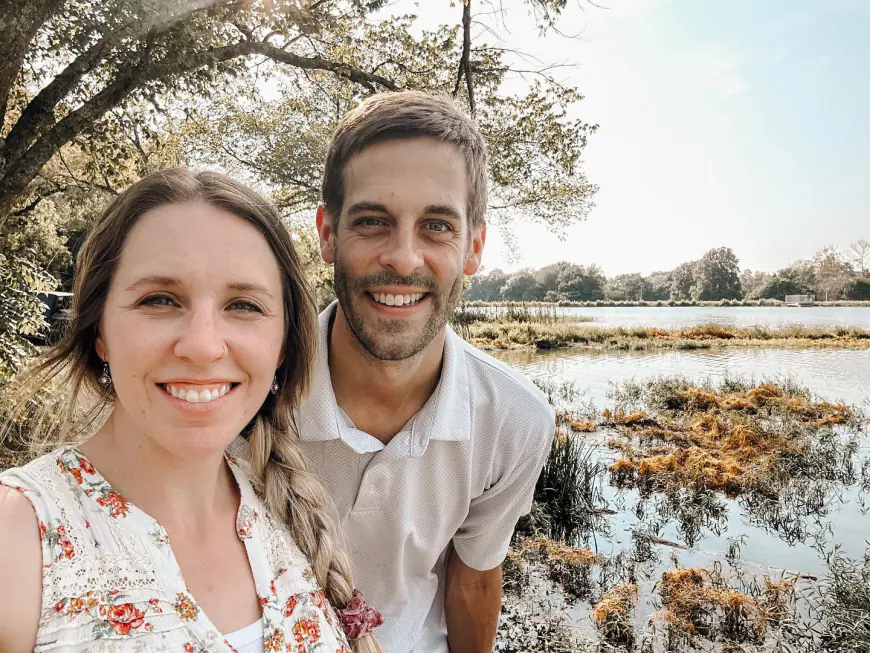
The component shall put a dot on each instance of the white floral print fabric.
(111, 581)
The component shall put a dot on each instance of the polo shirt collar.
(446, 416)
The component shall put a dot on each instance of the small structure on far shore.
(800, 300)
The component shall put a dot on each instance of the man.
(429, 447)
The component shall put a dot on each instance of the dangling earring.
(106, 376)
(274, 389)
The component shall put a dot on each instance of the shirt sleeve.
(483, 539)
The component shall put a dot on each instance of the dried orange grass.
(615, 605)
(547, 550)
(713, 444)
(689, 595)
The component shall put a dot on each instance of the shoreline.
(725, 303)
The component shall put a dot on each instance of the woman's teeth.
(202, 396)
(397, 300)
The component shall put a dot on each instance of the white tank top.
(111, 581)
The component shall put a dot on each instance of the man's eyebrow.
(443, 209)
(154, 280)
(362, 207)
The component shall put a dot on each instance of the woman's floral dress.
(110, 581)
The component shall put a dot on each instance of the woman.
(193, 325)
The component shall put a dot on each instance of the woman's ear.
(100, 346)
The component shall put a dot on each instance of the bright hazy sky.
(743, 124)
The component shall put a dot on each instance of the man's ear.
(327, 235)
(475, 249)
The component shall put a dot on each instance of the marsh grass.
(732, 438)
(500, 333)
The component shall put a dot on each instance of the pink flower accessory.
(358, 618)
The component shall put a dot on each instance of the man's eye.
(439, 227)
(158, 300)
(370, 222)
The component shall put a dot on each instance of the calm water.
(740, 316)
(778, 538)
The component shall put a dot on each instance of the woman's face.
(193, 327)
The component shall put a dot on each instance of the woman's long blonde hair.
(292, 493)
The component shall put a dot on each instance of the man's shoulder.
(513, 392)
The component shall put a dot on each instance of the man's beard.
(393, 339)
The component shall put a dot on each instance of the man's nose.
(200, 341)
(402, 253)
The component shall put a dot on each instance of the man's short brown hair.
(404, 115)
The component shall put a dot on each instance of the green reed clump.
(839, 608)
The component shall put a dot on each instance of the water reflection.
(787, 532)
(835, 374)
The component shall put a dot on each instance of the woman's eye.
(158, 300)
(245, 306)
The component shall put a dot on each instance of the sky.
(739, 124)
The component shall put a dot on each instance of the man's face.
(402, 244)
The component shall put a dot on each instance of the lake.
(666, 317)
(778, 538)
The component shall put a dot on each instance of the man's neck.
(380, 396)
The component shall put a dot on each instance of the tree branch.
(39, 113)
(17, 176)
(465, 60)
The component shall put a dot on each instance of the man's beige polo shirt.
(462, 470)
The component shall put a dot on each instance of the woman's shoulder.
(21, 571)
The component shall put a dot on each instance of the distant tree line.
(830, 275)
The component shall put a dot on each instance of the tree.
(578, 283)
(753, 283)
(657, 286)
(683, 281)
(717, 276)
(487, 287)
(833, 273)
(860, 257)
(625, 287)
(66, 64)
(521, 287)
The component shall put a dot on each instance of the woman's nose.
(200, 341)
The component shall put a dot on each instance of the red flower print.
(65, 544)
(154, 603)
(185, 608)
(292, 602)
(320, 602)
(188, 648)
(42, 531)
(77, 474)
(231, 646)
(86, 466)
(124, 618)
(118, 506)
(275, 642)
(60, 605)
(306, 632)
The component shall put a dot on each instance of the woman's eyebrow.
(243, 286)
(235, 286)
(153, 280)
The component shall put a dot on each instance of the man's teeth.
(397, 300)
(202, 396)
